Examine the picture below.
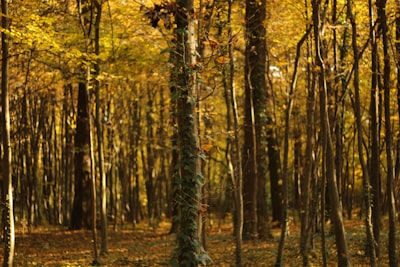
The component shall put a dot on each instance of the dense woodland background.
(263, 114)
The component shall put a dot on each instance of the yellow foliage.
(222, 60)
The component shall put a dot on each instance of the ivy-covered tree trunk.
(174, 168)
(5, 126)
(188, 252)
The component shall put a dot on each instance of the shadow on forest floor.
(147, 246)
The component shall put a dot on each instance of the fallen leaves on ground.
(148, 246)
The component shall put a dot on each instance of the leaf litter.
(149, 246)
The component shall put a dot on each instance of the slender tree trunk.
(375, 134)
(381, 4)
(7, 156)
(93, 199)
(27, 153)
(338, 58)
(335, 205)
(67, 155)
(99, 128)
(322, 187)
(150, 172)
(135, 117)
(306, 219)
(357, 111)
(397, 43)
(285, 176)
(235, 156)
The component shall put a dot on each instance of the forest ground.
(149, 246)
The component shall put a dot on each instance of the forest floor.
(149, 246)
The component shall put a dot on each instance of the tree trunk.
(7, 156)
(357, 110)
(306, 219)
(82, 208)
(67, 155)
(81, 211)
(328, 152)
(99, 127)
(149, 170)
(397, 45)
(174, 168)
(381, 4)
(375, 134)
(234, 155)
(256, 123)
(306, 211)
(285, 176)
(188, 252)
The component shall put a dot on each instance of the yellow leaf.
(222, 60)
(206, 147)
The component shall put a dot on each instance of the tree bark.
(188, 252)
(7, 156)
(305, 213)
(328, 152)
(99, 128)
(285, 176)
(81, 211)
(81, 215)
(357, 110)
(375, 134)
(235, 156)
(256, 123)
(382, 18)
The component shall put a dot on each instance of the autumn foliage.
(151, 124)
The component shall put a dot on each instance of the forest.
(200, 132)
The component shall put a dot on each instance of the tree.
(82, 207)
(234, 154)
(288, 115)
(397, 43)
(99, 126)
(357, 112)
(326, 136)
(382, 18)
(305, 211)
(7, 156)
(249, 159)
(375, 132)
(188, 252)
(257, 126)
